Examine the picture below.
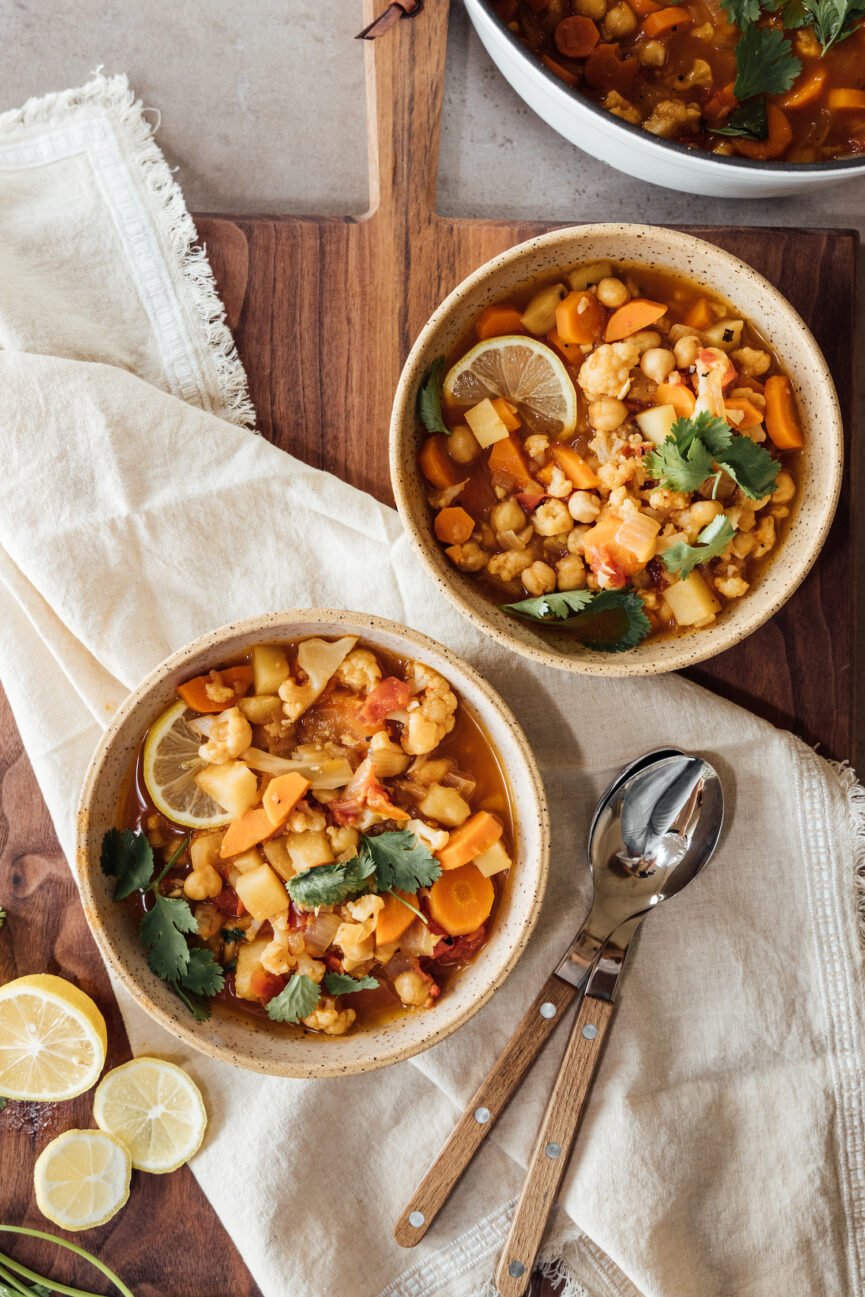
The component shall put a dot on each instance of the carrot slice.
(252, 827)
(569, 78)
(282, 795)
(572, 352)
(700, 315)
(576, 37)
(782, 424)
(604, 70)
(844, 100)
(395, 918)
(637, 314)
(807, 90)
(507, 413)
(436, 464)
(453, 525)
(776, 143)
(508, 456)
(498, 321)
(194, 692)
(752, 416)
(477, 835)
(645, 7)
(666, 21)
(575, 468)
(461, 900)
(579, 318)
(679, 395)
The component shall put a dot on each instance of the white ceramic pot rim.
(531, 791)
(832, 168)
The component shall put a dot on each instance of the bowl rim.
(828, 167)
(528, 780)
(595, 663)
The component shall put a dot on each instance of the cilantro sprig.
(429, 399)
(749, 121)
(832, 21)
(192, 973)
(590, 616)
(765, 63)
(686, 459)
(682, 558)
(296, 1000)
(385, 862)
(345, 984)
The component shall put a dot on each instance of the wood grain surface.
(324, 312)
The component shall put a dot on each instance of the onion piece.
(464, 784)
(330, 772)
(418, 940)
(511, 540)
(320, 932)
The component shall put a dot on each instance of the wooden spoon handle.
(552, 1150)
(485, 1106)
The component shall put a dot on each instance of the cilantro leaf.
(128, 857)
(742, 12)
(765, 63)
(682, 558)
(429, 399)
(750, 466)
(343, 984)
(3, 1101)
(749, 121)
(296, 1000)
(331, 884)
(683, 461)
(714, 433)
(401, 861)
(631, 625)
(549, 606)
(833, 20)
(162, 932)
(196, 1004)
(204, 975)
(233, 934)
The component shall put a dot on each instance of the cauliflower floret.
(327, 1018)
(276, 957)
(230, 734)
(764, 537)
(606, 371)
(217, 691)
(413, 989)
(366, 908)
(508, 565)
(731, 587)
(620, 107)
(468, 557)
(430, 713)
(359, 671)
(343, 840)
(752, 361)
(435, 839)
(552, 518)
(305, 819)
(712, 368)
(559, 486)
(671, 117)
(314, 969)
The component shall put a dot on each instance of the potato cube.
(232, 786)
(261, 708)
(204, 850)
(269, 668)
(656, 423)
(308, 849)
(493, 860)
(262, 893)
(248, 962)
(486, 423)
(691, 601)
(276, 850)
(247, 860)
(445, 805)
(540, 314)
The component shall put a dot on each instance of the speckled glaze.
(243, 1040)
(821, 462)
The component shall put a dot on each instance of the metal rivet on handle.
(516, 1269)
(589, 1031)
(548, 1009)
(553, 1150)
(482, 1116)
(416, 1219)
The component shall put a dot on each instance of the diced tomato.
(297, 919)
(364, 789)
(457, 950)
(228, 902)
(266, 985)
(333, 963)
(718, 104)
(389, 696)
(528, 500)
(600, 560)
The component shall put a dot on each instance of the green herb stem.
(407, 905)
(172, 861)
(10, 1281)
(70, 1247)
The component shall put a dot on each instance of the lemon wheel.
(82, 1179)
(52, 1039)
(155, 1109)
(525, 371)
(170, 764)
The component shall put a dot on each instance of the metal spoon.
(535, 1029)
(651, 838)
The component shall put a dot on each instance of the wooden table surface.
(297, 293)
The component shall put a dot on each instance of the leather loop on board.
(389, 18)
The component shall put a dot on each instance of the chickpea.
(411, 989)
(594, 9)
(576, 538)
(752, 361)
(785, 488)
(686, 351)
(607, 414)
(703, 511)
(202, 884)
(570, 572)
(653, 54)
(209, 920)
(621, 21)
(612, 292)
(645, 338)
(657, 363)
(551, 518)
(507, 516)
(583, 506)
(539, 578)
(463, 445)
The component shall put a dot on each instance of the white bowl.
(243, 1039)
(634, 150)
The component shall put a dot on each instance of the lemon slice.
(155, 1109)
(52, 1039)
(525, 371)
(82, 1178)
(171, 762)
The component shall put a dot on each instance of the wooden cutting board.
(324, 311)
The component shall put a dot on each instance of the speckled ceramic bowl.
(820, 466)
(241, 1039)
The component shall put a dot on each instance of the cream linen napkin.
(722, 1155)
